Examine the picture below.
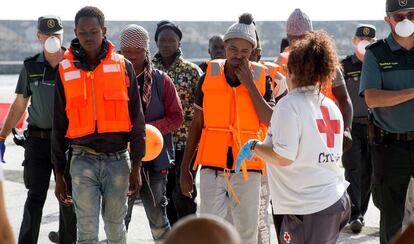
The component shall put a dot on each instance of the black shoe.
(356, 226)
(54, 236)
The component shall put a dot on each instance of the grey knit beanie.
(298, 23)
(243, 29)
(134, 36)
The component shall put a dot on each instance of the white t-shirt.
(307, 128)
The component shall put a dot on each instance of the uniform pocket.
(26, 175)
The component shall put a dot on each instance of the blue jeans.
(99, 176)
(155, 202)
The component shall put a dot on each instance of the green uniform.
(388, 66)
(37, 81)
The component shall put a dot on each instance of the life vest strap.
(226, 174)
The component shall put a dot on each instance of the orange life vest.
(283, 58)
(98, 99)
(326, 89)
(230, 118)
(272, 70)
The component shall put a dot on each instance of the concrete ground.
(139, 232)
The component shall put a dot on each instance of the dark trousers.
(37, 171)
(358, 171)
(153, 198)
(317, 228)
(393, 165)
(179, 205)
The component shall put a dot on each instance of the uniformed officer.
(36, 82)
(388, 86)
(357, 161)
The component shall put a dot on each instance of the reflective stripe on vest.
(230, 118)
(272, 70)
(96, 100)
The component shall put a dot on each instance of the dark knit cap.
(168, 24)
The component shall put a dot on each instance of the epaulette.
(376, 44)
(31, 58)
(347, 58)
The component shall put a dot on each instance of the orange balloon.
(153, 143)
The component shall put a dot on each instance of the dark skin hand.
(186, 183)
(245, 76)
(345, 105)
(61, 192)
(186, 178)
(135, 181)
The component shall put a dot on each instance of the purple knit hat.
(298, 23)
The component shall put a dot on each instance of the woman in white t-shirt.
(303, 149)
(6, 234)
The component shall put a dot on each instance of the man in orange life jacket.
(98, 110)
(229, 110)
(297, 24)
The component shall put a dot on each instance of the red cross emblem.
(286, 237)
(328, 126)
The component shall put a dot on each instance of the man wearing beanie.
(229, 111)
(162, 109)
(388, 87)
(185, 76)
(357, 160)
(297, 25)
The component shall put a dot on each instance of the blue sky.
(197, 10)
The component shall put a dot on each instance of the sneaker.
(54, 236)
(356, 226)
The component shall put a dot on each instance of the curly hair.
(313, 60)
(90, 11)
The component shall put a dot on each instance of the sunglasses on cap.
(400, 17)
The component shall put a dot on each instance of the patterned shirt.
(185, 76)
